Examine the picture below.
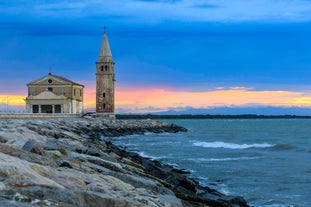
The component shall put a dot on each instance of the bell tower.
(105, 78)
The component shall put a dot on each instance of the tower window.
(104, 68)
(80, 92)
(104, 106)
(74, 92)
(104, 95)
(50, 81)
(50, 89)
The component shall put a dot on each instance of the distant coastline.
(208, 116)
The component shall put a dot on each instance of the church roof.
(57, 77)
(64, 79)
(105, 48)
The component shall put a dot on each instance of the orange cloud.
(152, 100)
(139, 100)
(13, 100)
(301, 101)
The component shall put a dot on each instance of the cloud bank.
(131, 11)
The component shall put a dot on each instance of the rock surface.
(65, 162)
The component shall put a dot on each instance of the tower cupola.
(104, 51)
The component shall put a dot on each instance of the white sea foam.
(221, 159)
(226, 159)
(143, 154)
(230, 145)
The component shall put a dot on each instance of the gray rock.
(64, 162)
(34, 147)
(12, 203)
(2, 140)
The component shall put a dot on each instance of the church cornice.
(61, 79)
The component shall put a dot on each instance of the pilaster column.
(39, 109)
(53, 109)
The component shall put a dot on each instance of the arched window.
(104, 106)
(104, 68)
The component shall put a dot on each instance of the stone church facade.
(54, 94)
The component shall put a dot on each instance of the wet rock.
(98, 161)
(23, 155)
(100, 187)
(2, 186)
(2, 139)
(64, 163)
(19, 171)
(55, 154)
(34, 147)
(13, 203)
(183, 187)
(79, 198)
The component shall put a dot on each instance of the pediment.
(49, 80)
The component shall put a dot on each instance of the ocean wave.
(143, 154)
(230, 145)
(222, 159)
(227, 159)
(281, 147)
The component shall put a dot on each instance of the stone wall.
(108, 116)
(31, 116)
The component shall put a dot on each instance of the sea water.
(268, 162)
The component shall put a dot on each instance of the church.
(56, 94)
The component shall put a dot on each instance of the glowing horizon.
(158, 99)
(154, 100)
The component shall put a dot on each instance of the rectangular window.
(50, 89)
(80, 92)
(58, 109)
(35, 109)
(104, 106)
(46, 109)
(74, 92)
(104, 95)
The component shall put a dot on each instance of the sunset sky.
(169, 54)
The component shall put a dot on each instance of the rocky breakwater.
(64, 162)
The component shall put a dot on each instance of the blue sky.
(181, 45)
